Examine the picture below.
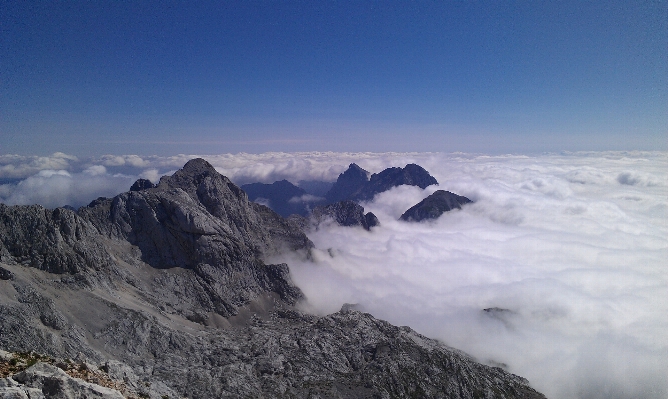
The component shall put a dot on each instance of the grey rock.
(6, 274)
(58, 241)
(197, 219)
(345, 213)
(55, 383)
(8, 382)
(435, 205)
(17, 393)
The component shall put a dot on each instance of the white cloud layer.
(574, 246)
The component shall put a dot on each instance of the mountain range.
(164, 290)
(354, 184)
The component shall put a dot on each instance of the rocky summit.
(435, 205)
(356, 185)
(165, 292)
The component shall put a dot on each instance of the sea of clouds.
(567, 252)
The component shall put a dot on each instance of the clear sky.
(146, 77)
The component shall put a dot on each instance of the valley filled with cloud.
(557, 271)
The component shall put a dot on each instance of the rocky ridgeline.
(166, 289)
(341, 202)
(435, 205)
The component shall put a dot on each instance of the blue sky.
(91, 78)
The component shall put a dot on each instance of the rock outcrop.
(345, 213)
(168, 289)
(57, 241)
(47, 381)
(435, 205)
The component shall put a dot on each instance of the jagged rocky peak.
(345, 213)
(435, 205)
(411, 174)
(142, 184)
(348, 184)
(355, 184)
(198, 172)
(354, 172)
(195, 220)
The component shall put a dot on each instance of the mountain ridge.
(169, 283)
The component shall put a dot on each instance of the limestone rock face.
(58, 241)
(434, 206)
(52, 382)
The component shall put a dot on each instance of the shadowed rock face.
(348, 184)
(345, 213)
(434, 206)
(167, 288)
(142, 184)
(354, 184)
(411, 175)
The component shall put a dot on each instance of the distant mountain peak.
(435, 205)
(355, 183)
(348, 183)
(191, 175)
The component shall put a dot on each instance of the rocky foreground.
(164, 291)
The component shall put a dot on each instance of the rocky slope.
(166, 289)
(434, 206)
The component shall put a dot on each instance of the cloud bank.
(566, 252)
